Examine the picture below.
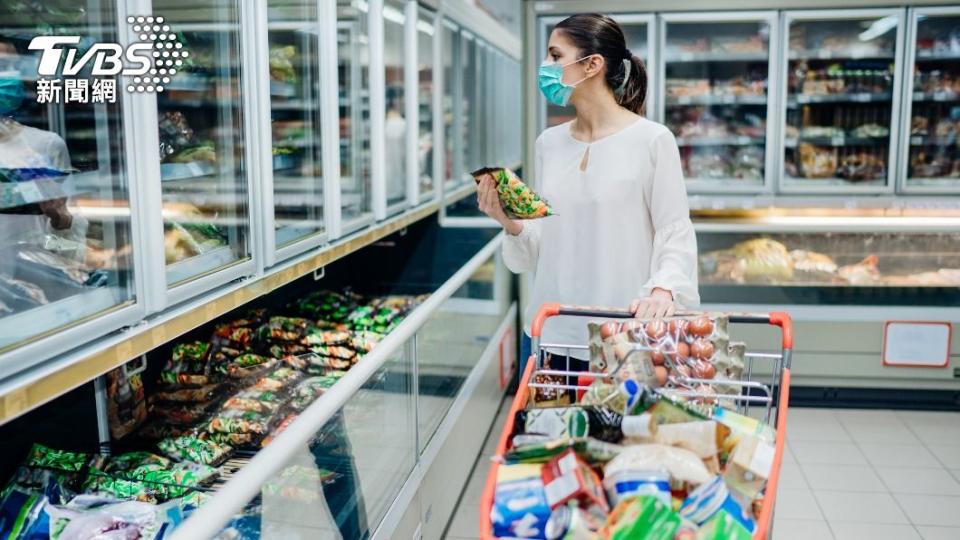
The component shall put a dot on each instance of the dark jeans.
(332, 451)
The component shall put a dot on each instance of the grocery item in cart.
(520, 508)
(570, 522)
(641, 518)
(711, 500)
(748, 468)
(192, 448)
(686, 469)
(518, 200)
(568, 478)
(703, 438)
(562, 422)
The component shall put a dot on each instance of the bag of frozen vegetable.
(518, 200)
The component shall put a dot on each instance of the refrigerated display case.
(66, 199)
(395, 123)
(202, 142)
(353, 77)
(295, 126)
(639, 33)
(716, 78)
(842, 99)
(470, 94)
(929, 157)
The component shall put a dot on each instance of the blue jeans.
(525, 345)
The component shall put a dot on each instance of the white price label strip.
(916, 344)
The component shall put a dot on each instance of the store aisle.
(847, 475)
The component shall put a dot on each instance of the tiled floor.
(846, 475)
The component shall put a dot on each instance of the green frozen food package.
(518, 200)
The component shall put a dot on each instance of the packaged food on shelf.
(192, 448)
(126, 402)
(518, 200)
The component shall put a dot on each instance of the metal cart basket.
(765, 382)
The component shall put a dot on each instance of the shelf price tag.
(916, 344)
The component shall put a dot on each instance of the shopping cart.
(773, 393)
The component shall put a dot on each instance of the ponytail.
(631, 91)
(625, 75)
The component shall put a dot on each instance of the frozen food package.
(259, 401)
(126, 403)
(327, 337)
(19, 295)
(187, 365)
(308, 390)
(568, 478)
(518, 200)
(192, 448)
(280, 329)
(24, 515)
(301, 484)
(520, 508)
(239, 421)
(281, 427)
(578, 421)
(181, 414)
(591, 450)
(200, 394)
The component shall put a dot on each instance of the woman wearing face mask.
(622, 230)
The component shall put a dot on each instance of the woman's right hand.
(489, 202)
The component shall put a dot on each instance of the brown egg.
(683, 370)
(702, 349)
(658, 358)
(682, 351)
(661, 375)
(701, 326)
(609, 329)
(632, 324)
(656, 329)
(704, 370)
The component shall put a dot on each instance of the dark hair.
(594, 33)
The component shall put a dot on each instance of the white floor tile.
(827, 430)
(928, 417)
(949, 455)
(899, 455)
(842, 478)
(931, 509)
(448, 537)
(797, 504)
(919, 481)
(801, 414)
(956, 473)
(791, 477)
(888, 433)
(797, 529)
(873, 531)
(850, 506)
(938, 433)
(827, 453)
(867, 416)
(939, 533)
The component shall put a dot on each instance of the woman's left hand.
(656, 306)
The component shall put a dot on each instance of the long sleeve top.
(622, 226)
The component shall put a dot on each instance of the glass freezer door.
(426, 86)
(294, 49)
(65, 235)
(841, 99)
(353, 52)
(716, 90)
(202, 168)
(932, 159)
(395, 124)
(637, 30)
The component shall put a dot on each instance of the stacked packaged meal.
(650, 449)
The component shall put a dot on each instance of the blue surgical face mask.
(550, 79)
(11, 94)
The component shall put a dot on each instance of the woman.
(622, 229)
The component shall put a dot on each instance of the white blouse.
(622, 226)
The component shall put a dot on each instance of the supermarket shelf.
(32, 388)
(219, 257)
(716, 100)
(929, 55)
(719, 141)
(841, 55)
(826, 224)
(171, 172)
(936, 96)
(814, 205)
(838, 141)
(865, 97)
(720, 56)
(922, 140)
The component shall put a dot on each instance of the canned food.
(570, 523)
